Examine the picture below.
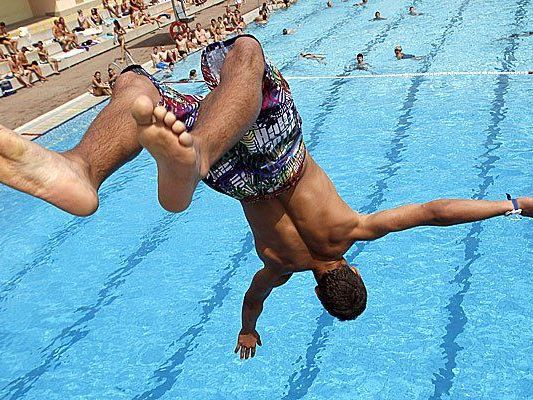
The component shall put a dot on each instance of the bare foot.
(42, 173)
(175, 151)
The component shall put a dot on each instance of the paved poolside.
(29, 104)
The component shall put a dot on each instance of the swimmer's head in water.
(285, 31)
(360, 58)
(342, 292)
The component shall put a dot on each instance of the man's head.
(192, 74)
(360, 58)
(198, 26)
(97, 75)
(341, 291)
(285, 31)
(377, 14)
(2, 24)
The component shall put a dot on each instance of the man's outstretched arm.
(443, 212)
(262, 284)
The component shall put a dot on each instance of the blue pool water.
(137, 303)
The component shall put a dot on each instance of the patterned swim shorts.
(269, 158)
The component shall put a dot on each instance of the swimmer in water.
(413, 12)
(329, 3)
(311, 56)
(523, 34)
(361, 64)
(288, 31)
(362, 3)
(378, 17)
(400, 55)
(244, 147)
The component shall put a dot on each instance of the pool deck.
(37, 110)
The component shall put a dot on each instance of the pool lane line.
(410, 75)
(78, 330)
(166, 375)
(299, 387)
(444, 378)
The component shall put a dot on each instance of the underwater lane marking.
(78, 330)
(298, 387)
(444, 378)
(167, 374)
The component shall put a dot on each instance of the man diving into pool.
(243, 139)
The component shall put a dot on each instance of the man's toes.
(159, 113)
(178, 128)
(142, 110)
(185, 139)
(169, 120)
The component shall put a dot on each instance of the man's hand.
(246, 343)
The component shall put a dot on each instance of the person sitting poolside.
(378, 17)
(44, 58)
(99, 87)
(400, 55)
(66, 42)
(413, 12)
(112, 77)
(112, 9)
(200, 35)
(181, 46)
(96, 18)
(83, 22)
(245, 140)
(18, 72)
(10, 43)
(32, 68)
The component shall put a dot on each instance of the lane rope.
(402, 75)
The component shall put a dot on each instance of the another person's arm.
(262, 284)
(443, 212)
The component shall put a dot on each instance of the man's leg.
(70, 180)
(184, 158)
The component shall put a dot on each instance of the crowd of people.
(187, 39)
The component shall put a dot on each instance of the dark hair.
(342, 293)
(360, 55)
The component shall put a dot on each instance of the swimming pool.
(137, 303)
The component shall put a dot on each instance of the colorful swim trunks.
(269, 158)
